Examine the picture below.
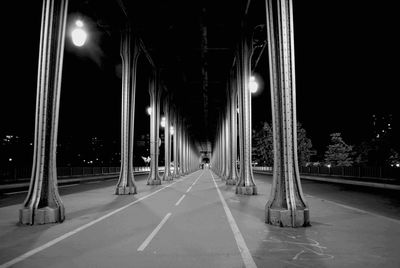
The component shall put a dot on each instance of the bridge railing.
(11, 175)
(378, 173)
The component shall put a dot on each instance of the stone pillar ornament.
(287, 206)
(129, 53)
(43, 203)
(167, 141)
(155, 94)
(246, 183)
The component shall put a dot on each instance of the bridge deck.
(197, 221)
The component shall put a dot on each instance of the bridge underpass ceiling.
(191, 42)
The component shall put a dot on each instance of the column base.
(42, 215)
(246, 190)
(154, 182)
(168, 178)
(283, 217)
(230, 182)
(125, 190)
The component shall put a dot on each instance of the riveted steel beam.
(155, 97)
(43, 203)
(287, 205)
(129, 53)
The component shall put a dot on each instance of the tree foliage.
(338, 153)
(263, 148)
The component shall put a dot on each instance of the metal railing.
(11, 175)
(351, 172)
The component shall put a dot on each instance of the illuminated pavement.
(185, 223)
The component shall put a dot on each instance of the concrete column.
(43, 203)
(233, 174)
(287, 205)
(129, 54)
(246, 183)
(167, 141)
(155, 94)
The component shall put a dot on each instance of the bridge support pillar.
(155, 94)
(176, 143)
(167, 138)
(43, 203)
(246, 183)
(129, 54)
(287, 206)
(232, 178)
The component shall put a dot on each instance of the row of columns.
(286, 205)
(43, 203)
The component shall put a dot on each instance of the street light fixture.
(148, 110)
(162, 122)
(78, 34)
(253, 85)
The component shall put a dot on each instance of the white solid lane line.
(244, 250)
(153, 234)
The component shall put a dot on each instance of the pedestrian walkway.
(196, 221)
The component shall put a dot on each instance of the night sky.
(346, 61)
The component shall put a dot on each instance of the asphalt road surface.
(198, 221)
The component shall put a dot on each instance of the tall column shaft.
(287, 205)
(232, 126)
(154, 177)
(246, 183)
(176, 141)
(129, 54)
(43, 203)
(167, 141)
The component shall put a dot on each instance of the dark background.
(346, 63)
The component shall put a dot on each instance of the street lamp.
(148, 110)
(78, 34)
(162, 122)
(253, 85)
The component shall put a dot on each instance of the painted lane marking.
(356, 209)
(188, 190)
(77, 230)
(180, 200)
(153, 234)
(69, 185)
(244, 250)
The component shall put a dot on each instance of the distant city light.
(398, 165)
(148, 110)
(79, 35)
(9, 159)
(253, 85)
